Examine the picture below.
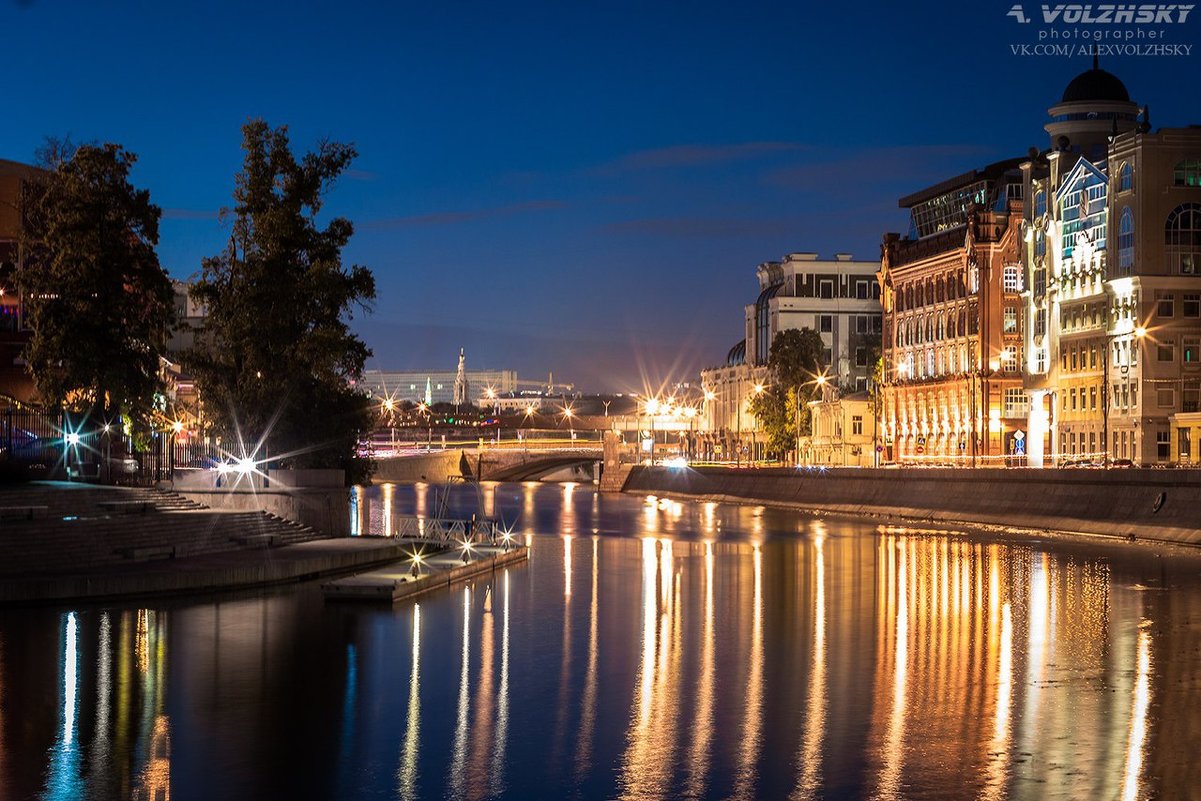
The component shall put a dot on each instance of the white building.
(839, 298)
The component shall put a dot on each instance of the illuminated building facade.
(1112, 256)
(412, 385)
(952, 384)
(839, 298)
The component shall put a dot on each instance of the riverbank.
(1158, 505)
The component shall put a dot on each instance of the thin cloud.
(702, 227)
(864, 170)
(459, 217)
(695, 156)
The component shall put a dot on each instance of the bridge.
(493, 464)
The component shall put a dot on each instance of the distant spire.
(461, 380)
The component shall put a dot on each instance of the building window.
(1040, 203)
(1011, 280)
(1017, 402)
(1125, 178)
(1164, 304)
(1072, 395)
(1166, 351)
(1191, 306)
(1163, 447)
(1187, 173)
(1182, 235)
(1191, 350)
(861, 356)
(1092, 398)
(1011, 319)
(1189, 398)
(1165, 398)
(1184, 445)
(825, 288)
(857, 425)
(1009, 359)
(825, 323)
(1126, 242)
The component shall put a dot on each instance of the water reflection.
(725, 652)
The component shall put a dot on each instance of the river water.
(650, 649)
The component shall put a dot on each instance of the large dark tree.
(795, 362)
(98, 302)
(275, 358)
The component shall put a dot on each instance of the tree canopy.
(794, 361)
(275, 356)
(99, 304)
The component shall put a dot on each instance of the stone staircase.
(73, 528)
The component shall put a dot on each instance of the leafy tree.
(795, 361)
(99, 304)
(275, 357)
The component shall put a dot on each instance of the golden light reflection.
(889, 782)
(407, 774)
(709, 518)
(746, 775)
(998, 750)
(482, 732)
(421, 499)
(1140, 702)
(502, 701)
(567, 539)
(529, 514)
(583, 755)
(104, 670)
(459, 749)
(702, 738)
(567, 510)
(810, 757)
(565, 657)
(388, 491)
(489, 488)
(648, 763)
(358, 519)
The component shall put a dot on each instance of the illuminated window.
(1187, 173)
(1012, 278)
(1009, 359)
(1011, 319)
(857, 425)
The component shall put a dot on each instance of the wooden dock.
(398, 580)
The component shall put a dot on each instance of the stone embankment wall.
(1147, 504)
(315, 498)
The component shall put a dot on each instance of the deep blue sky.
(583, 188)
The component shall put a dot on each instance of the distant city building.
(952, 341)
(839, 298)
(413, 385)
(842, 431)
(1112, 253)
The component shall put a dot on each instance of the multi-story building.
(839, 298)
(952, 383)
(1113, 339)
(842, 431)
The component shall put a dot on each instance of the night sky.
(583, 188)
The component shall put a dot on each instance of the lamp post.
(1139, 332)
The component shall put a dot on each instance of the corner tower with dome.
(1111, 255)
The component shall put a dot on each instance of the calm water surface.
(650, 649)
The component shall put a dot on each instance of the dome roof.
(1096, 84)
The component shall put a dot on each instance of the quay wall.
(315, 498)
(1162, 505)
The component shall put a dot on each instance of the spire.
(461, 380)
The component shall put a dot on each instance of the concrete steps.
(76, 533)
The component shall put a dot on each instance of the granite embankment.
(1163, 505)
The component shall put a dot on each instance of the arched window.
(1182, 235)
(942, 326)
(921, 295)
(1126, 242)
(951, 325)
(1125, 177)
(939, 296)
(1187, 173)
